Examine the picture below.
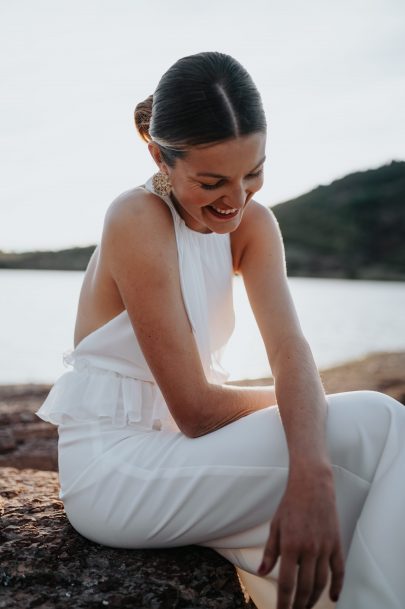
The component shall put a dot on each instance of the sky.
(331, 76)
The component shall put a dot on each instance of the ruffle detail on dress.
(88, 393)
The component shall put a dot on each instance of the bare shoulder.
(262, 265)
(138, 239)
(258, 229)
(136, 206)
(137, 224)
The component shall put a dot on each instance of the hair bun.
(142, 116)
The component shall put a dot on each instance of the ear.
(157, 157)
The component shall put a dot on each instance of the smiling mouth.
(222, 214)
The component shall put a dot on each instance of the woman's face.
(217, 178)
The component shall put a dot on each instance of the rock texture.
(383, 372)
(25, 440)
(45, 563)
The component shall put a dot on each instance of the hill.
(73, 259)
(352, 228)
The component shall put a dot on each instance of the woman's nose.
(236, 197)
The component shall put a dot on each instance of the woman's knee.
(358, 425)
(364, 406)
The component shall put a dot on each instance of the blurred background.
(332, 81)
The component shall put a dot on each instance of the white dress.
(129, 478)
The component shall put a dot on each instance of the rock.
(379, 371)
(45, 563)
(26, 441)
(7, 440)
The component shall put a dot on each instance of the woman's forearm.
(302, 404)
(300, 397)
(223, 404)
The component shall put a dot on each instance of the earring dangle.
(161, 184)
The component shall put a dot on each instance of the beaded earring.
(161, 184)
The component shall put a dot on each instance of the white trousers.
(129, 488)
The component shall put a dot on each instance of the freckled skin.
(239, 159)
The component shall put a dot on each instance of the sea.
(342, 320)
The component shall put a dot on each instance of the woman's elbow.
(187, 419)
(189, 413)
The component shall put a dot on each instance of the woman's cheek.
(258, 183)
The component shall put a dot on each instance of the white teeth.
(223, 211)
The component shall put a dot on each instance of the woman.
(154, 449)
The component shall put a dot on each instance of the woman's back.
(100, 299)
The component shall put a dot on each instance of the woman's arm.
(299, 392)
(304, 530)
(139, 248)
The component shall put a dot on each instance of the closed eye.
(250, 176)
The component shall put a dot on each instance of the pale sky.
(331, 75)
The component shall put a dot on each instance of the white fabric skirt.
(132, 488)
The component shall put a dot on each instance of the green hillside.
(74, 259)
(354, 227)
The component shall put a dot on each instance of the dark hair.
(203, 98)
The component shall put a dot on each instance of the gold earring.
(161, 184)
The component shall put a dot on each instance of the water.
(342, 320)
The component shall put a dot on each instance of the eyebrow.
(218, 175)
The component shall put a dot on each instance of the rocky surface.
(383, 372)
(26, 440)
(45, 563)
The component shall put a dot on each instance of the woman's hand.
(305, 535)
